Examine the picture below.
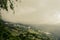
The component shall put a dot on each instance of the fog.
(35, 12)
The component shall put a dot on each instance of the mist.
(35, 12)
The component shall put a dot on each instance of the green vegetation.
(12, 31)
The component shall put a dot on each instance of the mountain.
(54, 29)
(16, 31)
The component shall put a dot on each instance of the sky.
(34, 12)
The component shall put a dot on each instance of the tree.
(4, 4)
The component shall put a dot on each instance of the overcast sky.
(34, 12)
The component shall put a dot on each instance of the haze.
(34, 12)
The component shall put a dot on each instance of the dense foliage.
(10, 31)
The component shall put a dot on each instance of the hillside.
(14, 31)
